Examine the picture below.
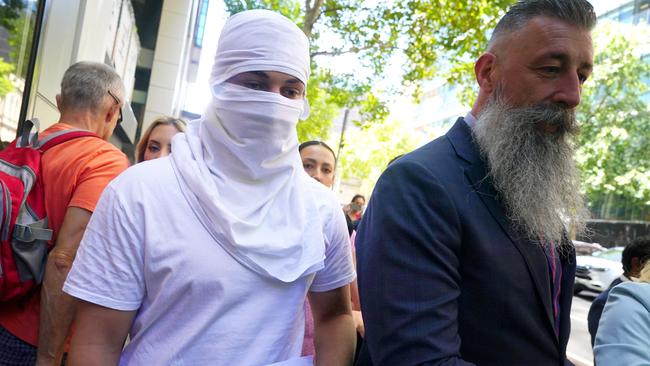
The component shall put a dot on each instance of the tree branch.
(338, 52)
(312, 14)
(344, 7)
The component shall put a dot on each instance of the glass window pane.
(17, 23)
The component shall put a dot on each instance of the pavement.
(579, 347)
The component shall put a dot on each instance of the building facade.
(148, 42)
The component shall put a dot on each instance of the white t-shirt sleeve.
(339, 269)
(108, 267)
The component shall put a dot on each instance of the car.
(597, 271)
(584, 248)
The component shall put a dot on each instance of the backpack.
(25, 238)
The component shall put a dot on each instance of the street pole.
(339, 173)
(345, 123)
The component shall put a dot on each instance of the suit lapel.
(566, 296)
(461, 139)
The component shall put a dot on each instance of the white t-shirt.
(145, 250)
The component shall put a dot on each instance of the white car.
(597, 271)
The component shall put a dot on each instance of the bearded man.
(463, 256)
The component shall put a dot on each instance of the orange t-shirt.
(74, 174)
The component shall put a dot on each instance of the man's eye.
(551, 69)
(582, 78)
(307, 166)
(327, 171)
(253, 85)
(292, 93)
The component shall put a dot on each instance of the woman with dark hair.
(319, 161)
(353, 211)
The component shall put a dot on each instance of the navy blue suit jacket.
(444, 278)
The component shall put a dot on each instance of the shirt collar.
(470, 120)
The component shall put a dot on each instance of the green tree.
(426, 37)
(323, 110)
(9, 10)
(12, 18)
(21, 33)
(614, 146)
(367, 151)
(5, 83)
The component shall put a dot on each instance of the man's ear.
(635, 264)
(58, 102)
(484, 69)
(111, 113)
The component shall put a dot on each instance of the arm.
(623, 336)
(354, 292)
(356, 308)
(408, 249)
(100, 335)
(57, 308)
(334, 335)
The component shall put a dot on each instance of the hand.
(46, 360)
(358, 322)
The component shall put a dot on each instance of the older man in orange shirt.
(74, 175)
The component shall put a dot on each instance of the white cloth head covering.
(239, 164)
(260, 40)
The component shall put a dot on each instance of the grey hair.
(85, 85)
(579, 13)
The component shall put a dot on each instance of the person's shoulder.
(430, 155)
(641, 289)
(323, 196)
(601, 299)
(104, 152)
(90, 147)
(149, 176)
(631, 295)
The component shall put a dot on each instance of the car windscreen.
(612, 255)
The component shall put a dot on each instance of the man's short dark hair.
(639, 248)
(579, 13)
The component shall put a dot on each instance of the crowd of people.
(233, 249)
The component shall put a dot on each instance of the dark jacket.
(444, 278)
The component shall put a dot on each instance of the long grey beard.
(533, 171)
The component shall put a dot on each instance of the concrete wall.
(169, 61)
(610, 233)
(82, 30)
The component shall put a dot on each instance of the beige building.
(151, 44)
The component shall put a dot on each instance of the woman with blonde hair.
(157, 139)
(623, 336)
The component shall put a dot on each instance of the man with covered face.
(205, 257)
(463, 255)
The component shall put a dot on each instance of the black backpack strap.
(25, 137)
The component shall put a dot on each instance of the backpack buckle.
(28, 234)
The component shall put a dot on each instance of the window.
(200, 23)
(17, 25)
